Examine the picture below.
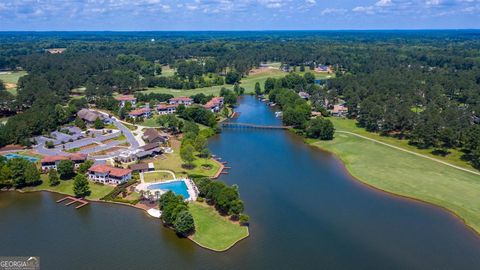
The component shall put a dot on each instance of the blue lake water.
(306, 213)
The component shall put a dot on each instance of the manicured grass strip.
(213, 231)
(66, 187)
(157, 176)
(12, 78)
(409, 175)
(454, 157)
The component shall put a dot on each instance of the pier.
(73, 200)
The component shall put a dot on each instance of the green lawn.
(214, 231)
(454, 157)
(173, 162)
(157, 176)
(12, 78)
(408, 175)
(248, 83)
(66, 187)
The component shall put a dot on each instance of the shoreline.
(367, 185)
(135, 207)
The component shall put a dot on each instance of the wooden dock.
(253, 126)
(73, 200)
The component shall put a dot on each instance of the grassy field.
(214, 231)
(173, 162)
(248, 83)
(408, 175)
(157, 177)
(66, 187)
(12, 78)
(454, 157)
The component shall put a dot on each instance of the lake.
(306, 212)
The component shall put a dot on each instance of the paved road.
(408, 151)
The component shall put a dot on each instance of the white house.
(181, 100)
(51, 162)
(163, 109)
(109, 175)
(123, 99)
(215, 104)
(142, 112)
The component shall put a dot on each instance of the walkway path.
(408, 151)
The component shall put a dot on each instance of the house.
(90, 116)
(181, 100)
(304, 95)
(109, 175)
(142, 167)
(163, 109)
(339, 110)
(55, 50)
(215, 104)
(123, 99)
(151, 135)
(51, 162)
(147, 150)
(140, 113)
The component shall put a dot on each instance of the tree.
(80, 123)
(5, 176)
(244, 219)
(186, 153)
(269, 85)
(233, 77)
(23, 172)
(200, 143)
(309, 77)
(81, 186)
(320, 128)
(184, 223)
(83, 168)
(98, 123)
(53, 178)
(65, 169)
(258, 90)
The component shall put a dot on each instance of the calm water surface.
(306, 212)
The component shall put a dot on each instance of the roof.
(101, 168)
(214, 102)
(89, 115)
(150, 132)
(181, 99)
(72, 157)
(139, 166)
(149, 146)
(339, 108)
(125, 98)
(166, 106)
(140, 111)
(53, 159)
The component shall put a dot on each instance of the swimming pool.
(178, 187)
(11, 156)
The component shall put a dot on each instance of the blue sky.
(237, 14)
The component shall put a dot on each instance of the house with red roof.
(163, 109)
(123, 99)
(106, 174)
(181, 100)
(140, 113)
(215, 104)
(51, 162)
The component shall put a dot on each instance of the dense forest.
(419, 85)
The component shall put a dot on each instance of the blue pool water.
(31, 159)
(178, 187)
